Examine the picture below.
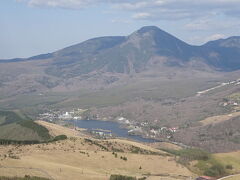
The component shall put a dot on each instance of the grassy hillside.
(231, 159)
(200, 162)
(15, 131)
(8, 117)
(16, 126)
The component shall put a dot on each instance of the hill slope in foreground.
(88, 159)
(85, 158)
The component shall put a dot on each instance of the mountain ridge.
(113, 60)
(125, 54)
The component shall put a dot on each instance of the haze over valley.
(145, 105)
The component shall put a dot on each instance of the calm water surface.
(112, 126)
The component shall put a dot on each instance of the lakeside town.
(143, 129)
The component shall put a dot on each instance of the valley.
(175, 109)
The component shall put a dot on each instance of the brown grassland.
(233, 178)
(85, 158)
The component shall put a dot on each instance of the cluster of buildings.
(49, 116)
(53, 116)
(162, 132)
(231, 103)
(205, 178)
(101, 133)
(144, 129)
(69, 116)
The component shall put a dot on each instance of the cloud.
(205, 24)
(142, 15)
(119, 20)
(183, 9)
(157, 9)
(69, 4)
(214, 37)
(131, 5)
(203, 39)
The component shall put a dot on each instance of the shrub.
(229, 166)
(216, 170)
(124, 158)
(60, 137)
(120, 177)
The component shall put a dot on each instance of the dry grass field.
(56, 130)
(165, 145)
(220, 118)
(88, 159)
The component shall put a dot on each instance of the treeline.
(29, 142)
(23, 178)
(96, 144)
(190, 154)
(9, 141)
(121, 177)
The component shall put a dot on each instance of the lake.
(112, 126)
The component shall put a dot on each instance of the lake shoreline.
(118, 129)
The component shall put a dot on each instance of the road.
(229, 176)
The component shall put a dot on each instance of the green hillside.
(8, 117)
(17, 126)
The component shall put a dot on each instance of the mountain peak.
(152, 30)
(155, 32)
(148, 29)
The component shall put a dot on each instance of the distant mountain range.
(148, 46)
(105, 61)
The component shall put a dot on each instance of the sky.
(32, 27)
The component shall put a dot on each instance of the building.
(205, 178)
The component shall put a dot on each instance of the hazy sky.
(31, 27)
